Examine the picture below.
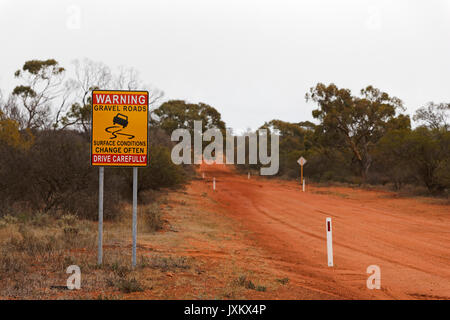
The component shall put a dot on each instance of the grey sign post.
(135, 187)
(100, 215)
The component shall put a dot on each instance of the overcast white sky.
(252, 60)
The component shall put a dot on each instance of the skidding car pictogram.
(121, 119)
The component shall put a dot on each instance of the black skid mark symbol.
(116, 132)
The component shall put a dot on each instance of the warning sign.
(119, 128)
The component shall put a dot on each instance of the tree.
(435, 116)
(41, 84)
(360, 121)
(431, 146)
(393, 155)
(293, 139)
(91, 75)
(422, 154)
(11, 136)
(177, 114)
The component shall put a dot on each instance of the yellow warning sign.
(119, 128)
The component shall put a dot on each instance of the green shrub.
(283, 281)
(261, 288)
(248, 284)
(160, 173)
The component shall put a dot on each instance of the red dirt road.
(409, 239)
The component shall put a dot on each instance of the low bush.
(129, 285)
(242, 281)
(53, 176)
(152, 218)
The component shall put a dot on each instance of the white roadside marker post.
(203, 175)
(100, 215)
(214, 184)
(248, 176)
(329, 242)
(301, 161)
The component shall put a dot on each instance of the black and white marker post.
(329, 242)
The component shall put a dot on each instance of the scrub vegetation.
(45, 145)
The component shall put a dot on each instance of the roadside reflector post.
(303, 185)
(135, 186)
(203, 175)
(214, 184)
(100, 215)
(329, 242)
(248, 175)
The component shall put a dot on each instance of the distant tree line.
(366, 139)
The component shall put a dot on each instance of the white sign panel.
(301, 161)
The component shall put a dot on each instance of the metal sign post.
(100, 214)
(301, 174)
(135, 186)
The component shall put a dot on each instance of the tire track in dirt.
(353, 248)
(410, 245)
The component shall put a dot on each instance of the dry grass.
(283, 281)
(243, 281)
(129, 285)
(35, 252)
(34, 257)
(165, 263)
(152, 218)
(331, 193)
